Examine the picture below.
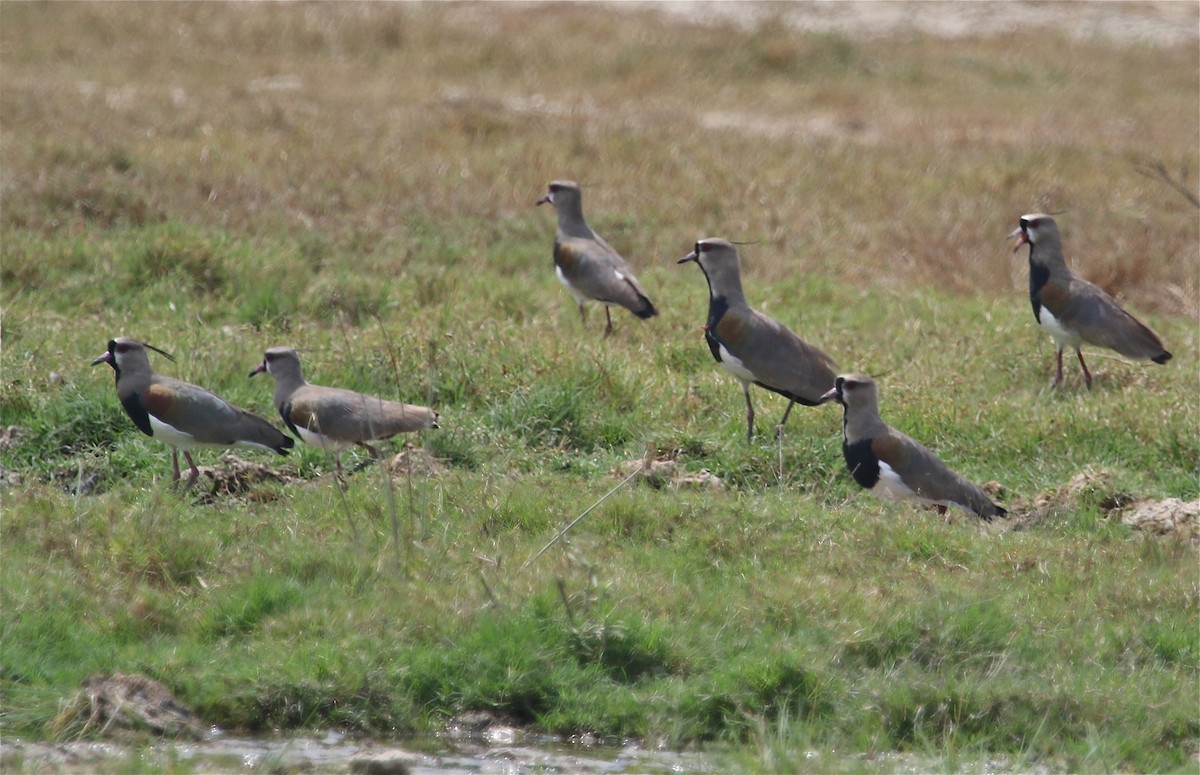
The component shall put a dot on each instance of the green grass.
(379, 215)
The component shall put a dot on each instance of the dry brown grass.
(884, 161)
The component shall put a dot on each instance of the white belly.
(891, 486)
(173, 436)
(567, 284)
(185, 441)
(734, 366)
(321, 442)
(1061, 336)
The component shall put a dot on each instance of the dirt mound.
(12, 436)
(661, 471)
(1095, 485)
(122, 704)
(1170, 517)
(1098, 487)
(415, 461)
(234, 476)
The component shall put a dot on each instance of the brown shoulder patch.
(567, 255)
(158, 400)
(890, 450)
(301, 415)
(1054, 295)
(731, 329)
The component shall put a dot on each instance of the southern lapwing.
(332, 418)
(183, 415)
(586, 264)
(1074, 311)
(751, 346)
(892, 465)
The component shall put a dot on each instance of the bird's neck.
(572, 226)
(1049, 259)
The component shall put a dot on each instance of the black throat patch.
(285, 411)
(1038, 277)
(137, 413)
(860, 459)
(717, 307)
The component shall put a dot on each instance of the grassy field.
(359, 181)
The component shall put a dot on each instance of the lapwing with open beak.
(893, 465)
(586, 264)
(183, 415)
(751, 346)
(1074, 311)
(333, 419)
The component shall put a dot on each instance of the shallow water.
(499, 751)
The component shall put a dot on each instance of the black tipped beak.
(1022, 238)
(689, 257)
(544, 200)
(106, 358)
(259, 369)
(833, 395)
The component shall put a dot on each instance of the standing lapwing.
(183, 415)
(1074, 311)
(586, 264)
(892, 465)
(751, 346)
(332, 418)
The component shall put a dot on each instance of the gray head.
(719, 261)
(1040, 233)
(283, 363)
(855, 392)
(128, 356)
(567, 199)
(859, 396)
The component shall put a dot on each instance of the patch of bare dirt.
(1169, 517)
(1162, 23)
(121, 704)
(661, 471)
(12, 436)
(415, 461)
(233, 476)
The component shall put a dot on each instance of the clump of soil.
(415, 461)
(120, 704)
(13, 436)
(663, 470)
(234, 476)
(1170, 517)
(1099, 487)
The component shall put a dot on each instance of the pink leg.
(1058, 377)
(174, 465)
(786, 412)
(340, 476)
(749, 413)
(195, 472)
(1087, 375)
